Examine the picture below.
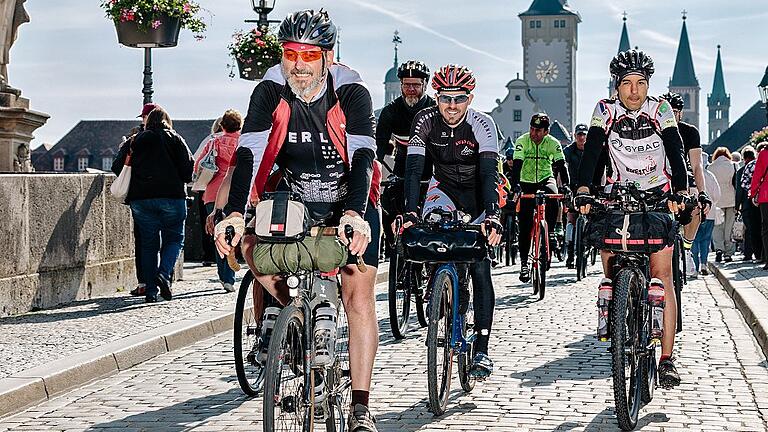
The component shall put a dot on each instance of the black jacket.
(161, 165)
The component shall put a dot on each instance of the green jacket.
(537, 159)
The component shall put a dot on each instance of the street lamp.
(763, 87)
(263, 8)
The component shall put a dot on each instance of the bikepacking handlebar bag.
(424, 245)
(631, 232)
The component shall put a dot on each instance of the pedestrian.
(737, 159)
(700, 248)
(223, 145)
(161, 166)
(750, 214)
(209, 250)
(759, 193)
(117, 166)
(724, 170)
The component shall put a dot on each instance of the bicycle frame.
(458, 341)
(538, 217)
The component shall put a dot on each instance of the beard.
(411, 100)
(301, 89)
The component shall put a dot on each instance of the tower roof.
(718, 86)
(549, 7)
(684, 74)
(624, 41)
(391, 75)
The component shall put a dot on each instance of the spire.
(396, 41)
(718, 86)
(624, 41)
(684, 75)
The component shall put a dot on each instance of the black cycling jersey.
(465, 160)
(691, 140)
(395, 120)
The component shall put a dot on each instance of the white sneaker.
(690, 267)
(228, 287)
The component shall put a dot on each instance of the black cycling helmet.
(413, 69)
(631, 62)
(540, 121)
(674, 99)
(308, 27)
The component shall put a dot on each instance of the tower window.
(517, 115)
(557, 23)
(532, 24)
(562, 23)
(538, 23)
(517, 135)
(517, 97)
(686, 101)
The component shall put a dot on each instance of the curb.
(39, 384)
(752, 304)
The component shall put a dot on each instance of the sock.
(360, 397)
(481, 342)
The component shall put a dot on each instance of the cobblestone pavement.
(551, 374)
(41, 337)
(752, 272)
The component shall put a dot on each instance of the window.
(718, 133)
(82, 163)
(106, 163)
(538, 23)
(532, 24)
(557, 23)
(686, 101)
(517, 97)
(58, 163)
(517, 135)
(517, 115)
(719, 114)
(562, 23)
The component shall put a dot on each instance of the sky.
(68, 62)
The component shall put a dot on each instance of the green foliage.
(147, 13)
(257, 50)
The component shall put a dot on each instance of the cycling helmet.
(674, 99)
(308, 27)
(452, 78)
(540, 121)
(413, 69)
(631, 62)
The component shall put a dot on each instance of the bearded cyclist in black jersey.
(691, 217)
(310, 121)
(393, 130)
(463, 146)
(644, 147)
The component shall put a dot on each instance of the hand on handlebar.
(492, 230)
(678, 201)
(583, 200)
(234, 220)
(404, 221)
(705, 202)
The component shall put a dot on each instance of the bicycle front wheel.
(399, 295)
(543, 258)
(250, 374)
(285, 404)
(579, 249)
(338, 378)
(439, 349)
(626, 347)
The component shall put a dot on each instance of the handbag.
(737, 233)
(631, 232)
(425, 245)
(121, 185)
(206, 169)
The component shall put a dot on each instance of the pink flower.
(156, 24)
(187, 7)
(127, 15)
(261, 43)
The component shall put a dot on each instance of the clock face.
(547, 71)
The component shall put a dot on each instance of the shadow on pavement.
(418, 414)
(587, 359)
(606, 421)
(179, 417)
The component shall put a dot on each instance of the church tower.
(391, 81)
(550, 41)
(684, 79)
(623, 46)
(718, 102)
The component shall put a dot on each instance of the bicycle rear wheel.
(285, 406)
(543, 258)
(246, 334)
(626, 360)
(439, 349)
(338, 378)
(399, 295)
(580, 249)
(678, 278)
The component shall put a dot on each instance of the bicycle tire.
(419, 278)
(465, 358)
(246, 333)
(544, 258)
(338, 377)
(624, 322)
(439, 385)
(399, 296)
(648, 376)
(579, 249)
(678, 279)
(286, 355)
(508, 240)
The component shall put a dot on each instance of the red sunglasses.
(306, 56)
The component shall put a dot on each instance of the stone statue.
(12, 15)
(22, 161)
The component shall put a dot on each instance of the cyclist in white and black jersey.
(644, 146)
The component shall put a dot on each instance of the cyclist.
(394, 125)
(463, 146)
(573, 154)
(644, 147)
(691, 217)
(312, 122)
(538, 156)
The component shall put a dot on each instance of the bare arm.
(694, 155)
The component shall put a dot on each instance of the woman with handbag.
(724, 169)
(758, 192)
(212, 163)
(703, 239)
(161, 165)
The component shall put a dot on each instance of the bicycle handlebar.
(546, 195)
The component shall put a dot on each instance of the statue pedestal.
(17, 122)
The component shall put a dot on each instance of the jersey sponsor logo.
(640, 147)
(669, 122)
(467, 151)
(417, 141)
(603, 107)
(653, 179)
(306, 137)
(664, 107)
(465, 142)
(443, 134)
(648, 169)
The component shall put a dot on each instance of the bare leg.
(661, 267)
(360, 303)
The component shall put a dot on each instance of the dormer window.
(82, 163)
(58, 163)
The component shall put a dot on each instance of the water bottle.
(656, 301)
(604, 298)
(267, 324)
(325, 334)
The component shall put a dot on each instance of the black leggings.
(484, 299)
(527, 206)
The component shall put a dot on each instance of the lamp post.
(763, 88)
(263, 8)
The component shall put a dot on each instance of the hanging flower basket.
(153, 23)
(254, 52)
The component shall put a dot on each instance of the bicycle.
(582, 251)
(291, 378)
(509, 239)
(449, 334)
(540, 254)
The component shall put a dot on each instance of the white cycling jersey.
(634, 142)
